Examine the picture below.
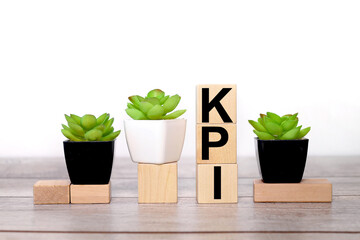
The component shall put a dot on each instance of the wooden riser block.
(52, 192)
(225, 93)
(213, 133)
(308, 190)
(90, 193)
(217, 183)
(158, 183)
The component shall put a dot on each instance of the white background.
(82, 57)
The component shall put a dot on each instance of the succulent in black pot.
(281, 148)
(89, 150)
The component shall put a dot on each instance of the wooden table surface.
(124, 218)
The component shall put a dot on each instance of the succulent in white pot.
(155, 135)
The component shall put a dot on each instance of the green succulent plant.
(89, 128)
(156, 105)
(271, 126)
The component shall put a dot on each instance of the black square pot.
(281, 161)
(89, 162)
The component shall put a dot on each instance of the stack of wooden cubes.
(63, 192)
(217, 169)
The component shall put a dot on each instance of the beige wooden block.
(90, 193)
(228, 102)
(308, 190)
(158, 183)
(217, 183)
(52, 192)
(224, 154)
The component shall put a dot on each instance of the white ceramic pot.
(155, 141)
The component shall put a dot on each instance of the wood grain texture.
(157, 183)
(228, 102)
(178, 236)
(124, 218)
(342, 186)
(308, 190)
(205, 183)
(51, 192)
(124, 168)
(217, 155)
(126, 215)
(90, 193)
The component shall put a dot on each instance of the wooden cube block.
(52, 192)
(217, 183)
(308, 190)
(216, 103)
(157, 183)
(90, 193)
(216, 143)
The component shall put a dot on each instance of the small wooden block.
(217, 183)
(308, 190)
(158, 183)
(90, 193)
(228, 102)
(224, 154)
(52, 192)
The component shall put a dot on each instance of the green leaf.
(136, 114)
(289, 124)
(72, 131)
(132, 106)
(145, 107)
(108, 124)
(76, 118)
(261, 121)
(88, 121)
(153, 101)
(70, 136)
(104, 117)
(290, 135)
(156, 112)
(293, 117)
(303, 132)
(136, 100)
(272, 128)
(108, 131)
(69, 119)
(276, 118)
(264, 135)
(76, 129)
(156, 93)
(65, 127)
(257, 126)
(163, 100)
(284, 118)
(93, 135)
(111, 136)
(175, 114)
(171, 103)
(101, 127)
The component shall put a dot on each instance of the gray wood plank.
(177, 236)
(123, 218)
(126, 215)
(342, 186)
(124, 168)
